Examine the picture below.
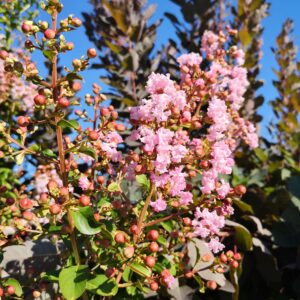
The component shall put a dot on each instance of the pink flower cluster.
(110, 144)
(207, 224)
(163, 96)
(210, 97)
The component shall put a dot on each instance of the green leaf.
(102, 285)
(162, 240)
(88, 151)
(243, 206)
(245, 36)
(143, 181)
(127, 274)
(73, 76)
(113, 187)
(49, 153)
(51, 276)
(261, 154)
(68, 124)
(242, 235)
(167, 225)
(15, 283)
(72, 281)
(20, 158)
(81, 220)
(140, 269)
(49, 54)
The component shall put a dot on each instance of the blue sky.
(280, 10)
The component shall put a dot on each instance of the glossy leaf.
(72, 281)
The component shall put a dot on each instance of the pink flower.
(84, 183)
(159, 204)
(223, 189)
(240, 57)
(209, 42)
(168, 279)
(207, 223)
(113, 138)
(189, 60)
(159, 83)
(215, 246)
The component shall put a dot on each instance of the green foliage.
(103, 286)
(73, 281)
(82, 219)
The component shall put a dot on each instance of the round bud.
(84, 200)
(39, 99)
(237, 256)
(97, 217)
(49, 34)
(152, 235)
(110, 272)
(135, 157)
(76, 22)
(10, 290)
(133, 229)
(150, 261)
(212, 285)
(52, 184)
(64, 191)
(28, 215)
(175, 111)
(240, 189)
(3, 189)
(129, 251)
(76, 86)
(26, 28)
(154, 286)
(223, 258)
(3, 54)
(1, 292)
(10, 201)
(23, 121)
(153, 247)
(76, 63)
(120, 127)
(63, 102)
(229, 253)
(36, 294)
(55, 209)
(187, 221)
(43, 25)
(69, 46)
(92, 53)
(25, 203)
(234, 264)
(188, 274)
(104, 111)
(100, 179)
(120, 238)
(93, 135)
(114, 115)
(28, 44)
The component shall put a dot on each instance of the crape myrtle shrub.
(154, 221)
(270, 207)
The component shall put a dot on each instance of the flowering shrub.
(137, 221)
